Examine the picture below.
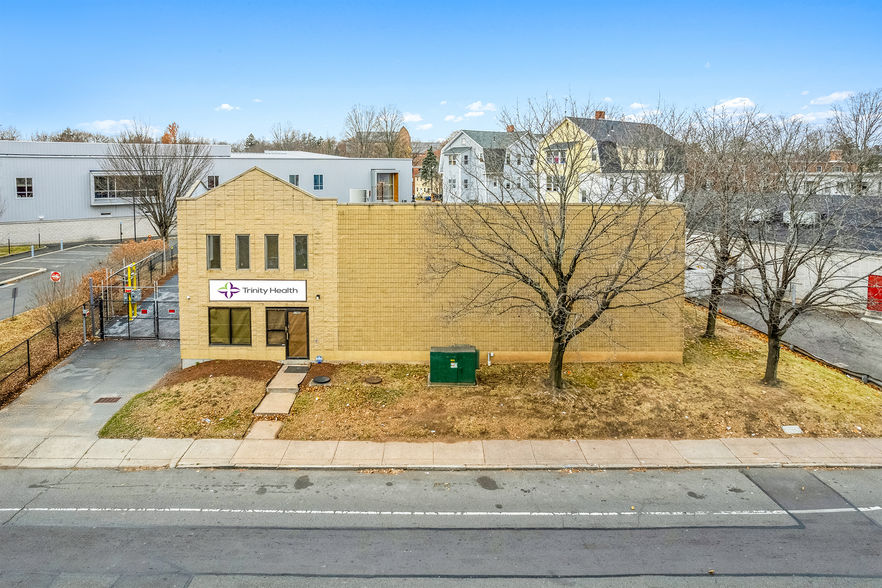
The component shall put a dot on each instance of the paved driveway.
(62, 402)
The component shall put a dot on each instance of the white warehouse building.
(58, 191)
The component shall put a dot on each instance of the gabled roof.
(494, 139)
(622, 133)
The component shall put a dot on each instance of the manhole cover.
(108, 400)
(373, 379)
(296, 369)
(321, 379)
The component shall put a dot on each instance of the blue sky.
(224, 69)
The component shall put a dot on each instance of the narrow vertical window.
(271, 249)
(294, 179)
(213, 182)
(213, 249)
(243, 252)
(301, 252)
(318, 182)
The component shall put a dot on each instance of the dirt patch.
(250, 370)
(715, 393)
(318, 369)
(214, 399)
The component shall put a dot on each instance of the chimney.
(599, 114)
(836, 155)
(509, 128)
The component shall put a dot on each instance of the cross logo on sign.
(55, 276)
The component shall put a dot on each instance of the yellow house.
(270, 272)
(596, 160)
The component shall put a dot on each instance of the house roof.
(623, 133)
(493, 139)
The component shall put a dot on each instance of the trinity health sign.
(257, 290)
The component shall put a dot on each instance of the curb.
(23, 276)
(546, 468)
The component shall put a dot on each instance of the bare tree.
(9, 133)
(154, 175)
(724, 168)
(554, 233)
(55, 300)
(388, 134)
(362, 122)
(856, 130)
(805, 251)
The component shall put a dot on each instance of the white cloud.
(805, 92)
(734, 104)
(834, 97)
(111, 127)
(707, 64)
(638, 105)
(814, 116)
(479, 106)
(607, 99)
(444, 102)
(408, 117)
(227, 107)
(450, 117)
(424, 127)
(258, 100)
(474, 114)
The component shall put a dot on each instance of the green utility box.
(453, 366)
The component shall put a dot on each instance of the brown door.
(298, 334)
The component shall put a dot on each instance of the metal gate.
(138, 313)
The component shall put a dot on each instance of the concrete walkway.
(83, 452)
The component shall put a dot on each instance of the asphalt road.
(73, 263)
(220, 528)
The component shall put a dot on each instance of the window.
(318, 182)
(594, 154)
(301, 252)
(465, 159)
(837, 168)
(519, 182)
(463, 141)
(271, 251)
(452, 183)
(229, 326)
(213, 182)
(809, 187)
(507, 159)
(294, 179)
(840, 187)
(465, 184)
(243, 252)
(532, 160)
(451, 159)
(519, 160)
(213, 249)
(555, 157)
(124, 187)
(553, 183)
(495, 183)
(651, 157)
(24, 187)
(584, 194)
(276, 331)
(508, 185)
(818, 169)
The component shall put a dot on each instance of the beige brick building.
(268, 271)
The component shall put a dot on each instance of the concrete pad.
(308, 453)
(86, 463)
(10, 462)
(705, 451)
(63, 463)
(359, 453)
(63, 448)
(656, 452)
(19, 445)
(152, 452)
(260, 452)
(462, 453)
(282, 382)
(264, 430)
(110, 449)
(408, 454)
(844, 448)
(210, 452)
(862, 460)
(876, 442)
(754, 450)
(84, 581)
(558, 453)
(275, 403)
(616, 452)
(510, 453)
(805, 450)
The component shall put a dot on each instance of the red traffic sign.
(55, 276)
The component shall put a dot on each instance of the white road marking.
(56, 252)
(446, 513)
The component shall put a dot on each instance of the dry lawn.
(715, 393)
(15, 330)
(214, 400)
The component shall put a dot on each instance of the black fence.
(32, 357)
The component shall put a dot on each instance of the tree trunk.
(771, 376)
(555, 366)
(713, 302)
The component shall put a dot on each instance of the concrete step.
(275, 403)
(285, 381)
(264, 430)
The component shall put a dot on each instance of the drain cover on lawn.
(296, 369)
(373, 379)
(108, 400)
(321, 379)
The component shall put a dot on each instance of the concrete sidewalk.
(36, 451)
